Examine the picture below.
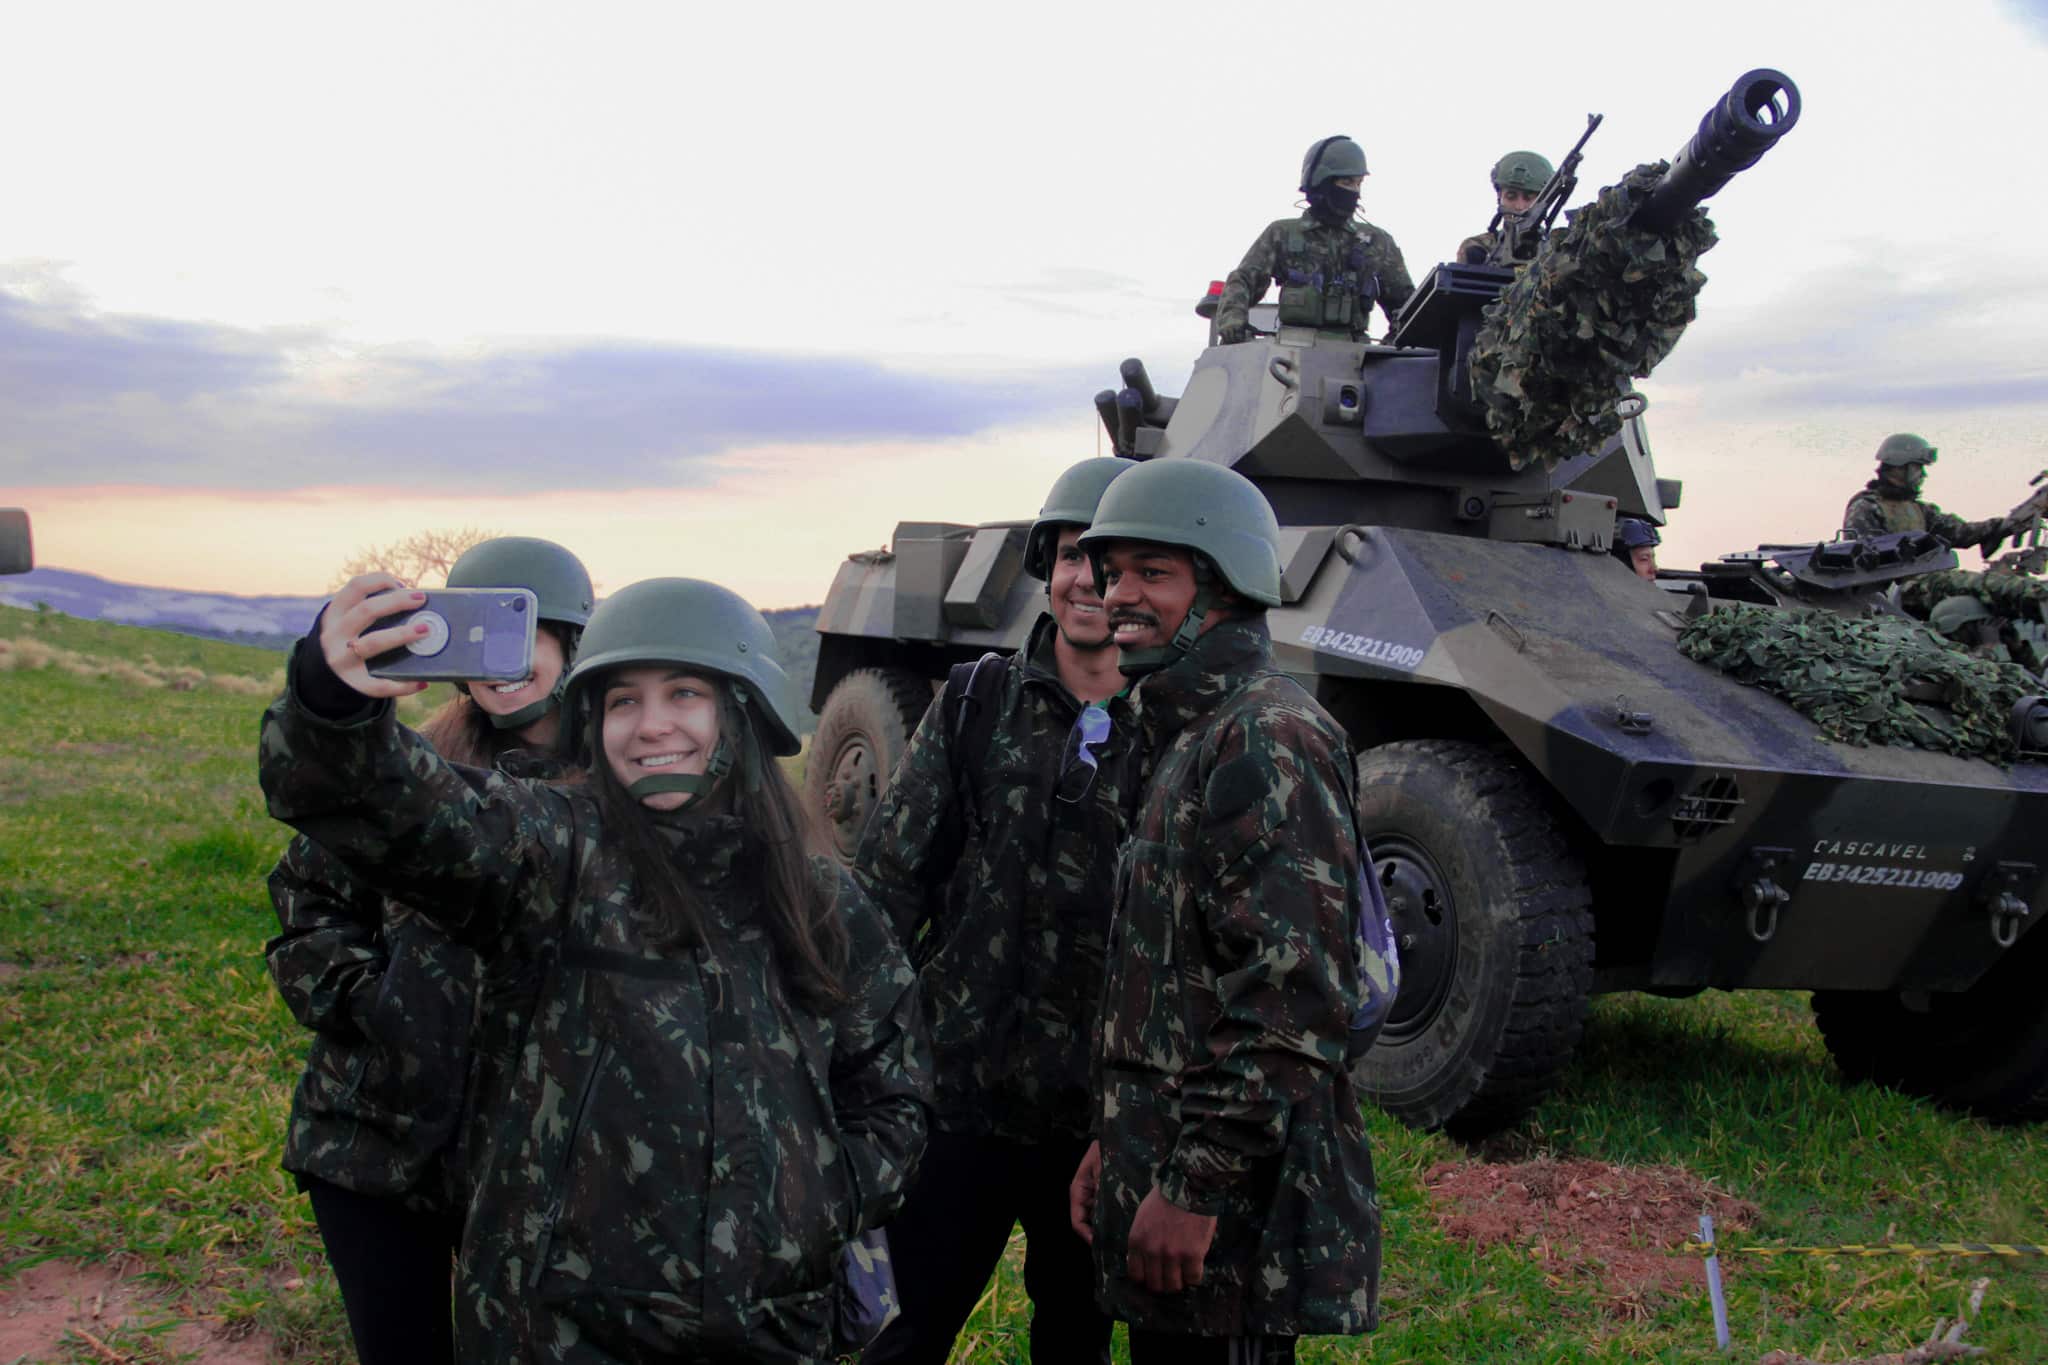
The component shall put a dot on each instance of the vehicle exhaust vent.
(1708, 806)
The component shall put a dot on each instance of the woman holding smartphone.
(374, 1137)
(722, 1078)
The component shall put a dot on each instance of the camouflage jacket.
(1485, 242)
(685, 1147)
(1355, 258)
(1871, 513)
(1234, 972)
(1006, 914)
(390, 1000)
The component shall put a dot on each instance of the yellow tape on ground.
(1871, 1249)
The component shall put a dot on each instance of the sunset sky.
(727, 291)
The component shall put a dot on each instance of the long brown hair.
(800, 901)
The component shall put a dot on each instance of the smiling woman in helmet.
(721, 1077)
(376, 1137)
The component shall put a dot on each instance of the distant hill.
(270, 622)
(274, 622)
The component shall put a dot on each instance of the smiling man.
(992, 852)
(1230, 1195)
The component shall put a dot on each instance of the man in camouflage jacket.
(1892, 502)
(1331, 267)
(685, 1146)
(1232, 1201)
(994, 858)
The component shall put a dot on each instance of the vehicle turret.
(1396, 434)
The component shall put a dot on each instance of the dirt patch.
(1613, 1224)
(103, 1308)
(8, 972)
(98, 750)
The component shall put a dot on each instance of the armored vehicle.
(17, 544)
(1558, 803)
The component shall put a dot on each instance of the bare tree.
(424, 557)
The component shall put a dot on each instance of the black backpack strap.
(972, 694)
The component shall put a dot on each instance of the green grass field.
(145, 1068)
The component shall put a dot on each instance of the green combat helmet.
(707, 628)
(558, 582)
(1528, 171)
(1218, 513)
(1951, 614)
(1333, 158)
(1903, 448)
(1071, 502)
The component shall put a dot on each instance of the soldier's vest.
(1902, 514)
(1317, 291)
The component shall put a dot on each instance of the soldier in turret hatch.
(1518, 178)
(1635, 544)
(1891, 501)
(1331, 267)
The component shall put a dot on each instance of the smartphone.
(474, 635)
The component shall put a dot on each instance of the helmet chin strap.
(533, 710)
(1137, 663)
(732, 718)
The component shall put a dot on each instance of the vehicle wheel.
(864, 729)
(1492, 913)
(1984, 1050)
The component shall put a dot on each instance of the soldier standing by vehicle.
(722, 1074)
(1230, 1197)
(1892, 502)
(375, 1135)
(1517, 179)
(1331, 268)
(993, 853)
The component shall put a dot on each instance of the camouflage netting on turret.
(2007, 594)
(1602, 303)
(2019, 603)
(1873, 680)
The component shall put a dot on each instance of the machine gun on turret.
(2028, 555)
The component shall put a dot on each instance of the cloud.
(2031, 15)
(87, 399)
(1933, 335)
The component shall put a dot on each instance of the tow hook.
(1762, 897)
(2008, 912)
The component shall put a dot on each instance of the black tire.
(1984, 1050)
(1494, 917)
(862, 733)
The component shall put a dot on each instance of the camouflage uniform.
(1483, 242)
(1005, 909)
(1308, 251)
(1005, 916)
(1878, 509)
(390, 1000)
(685, 1147)
(1234, 972)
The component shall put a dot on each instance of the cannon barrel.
(1758, 109)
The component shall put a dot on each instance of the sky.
(726, 291)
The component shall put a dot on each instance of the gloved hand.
(1234, 331)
